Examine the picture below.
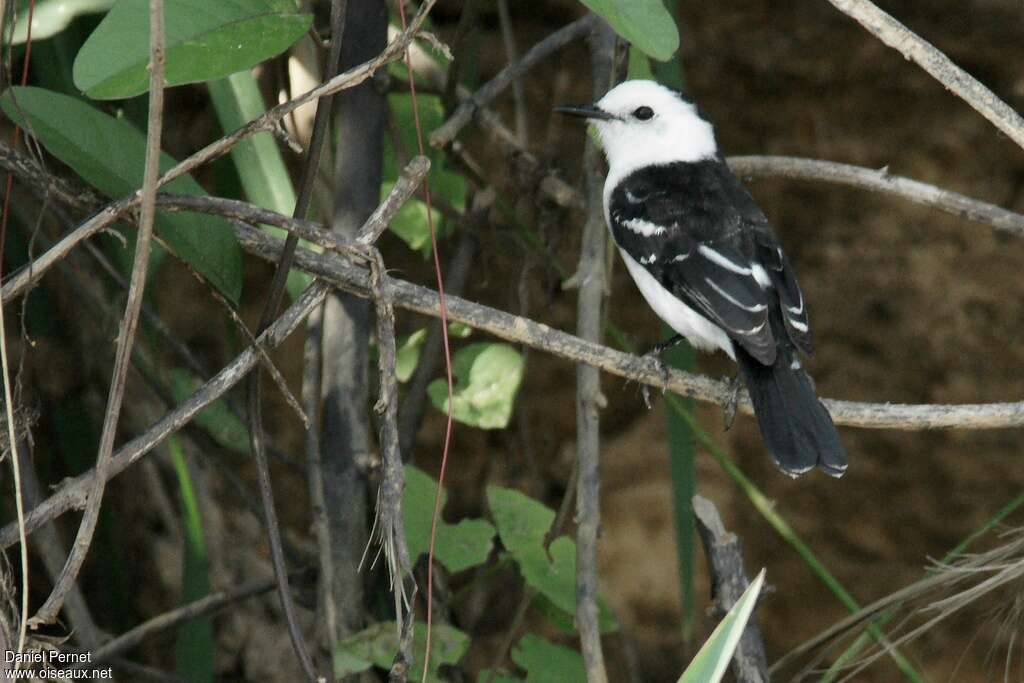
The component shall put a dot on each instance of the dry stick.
(938, 65)
(50, 549)
(207, 605)
(518, 95)
(728, 582)
(126, 338)
(589, 400)
(882, 181)
(265, 122)
(465, 112)
(391, 526)
(74, 493)
(310, 168)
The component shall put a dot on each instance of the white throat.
(630, 146)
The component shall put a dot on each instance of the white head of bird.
(643, 123)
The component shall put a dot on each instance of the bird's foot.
(729, 407)
(655, 355)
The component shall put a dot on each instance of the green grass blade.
(710, 663)
(682, 468)
(194, 647)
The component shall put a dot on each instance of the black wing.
(697, 230)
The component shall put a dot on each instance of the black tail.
(797, 429)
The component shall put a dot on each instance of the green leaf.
(522, 526)
(639, 65)
(644, 23)
(459, 330)
(411, 222)
(457, 546)
(710, 663)
(110, 155)
(204, 40)
(217, 419)
(546, 662)
(377, 645)
(408, 355)
(50, 17)
(237, 101)
(488, 377)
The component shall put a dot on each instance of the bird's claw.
(645, 390)
(729, 407)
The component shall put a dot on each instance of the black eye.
(643, 113)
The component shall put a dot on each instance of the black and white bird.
(708, 263)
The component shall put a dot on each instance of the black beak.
(586, 111)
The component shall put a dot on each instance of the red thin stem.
(447, 352)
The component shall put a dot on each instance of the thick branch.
(931, 59)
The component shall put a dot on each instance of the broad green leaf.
(457, 546)
(50, 17)
(378, 644)
(411, 222)
(217, 419)
(546, 662)
(710, 663)
(644, 23)
(523, 524)
(204, 40)
(237, 101)
(488, 377)
(194, 646)
(110, 155)
(408, 355)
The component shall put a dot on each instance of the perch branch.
(542, 337)
(126, 338)
(882, 181)
(506, 326)
(728, 581)
(897, 36)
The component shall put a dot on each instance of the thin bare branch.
(412, 175)
(126, 338)
(897, 36)
(464, 113)
(882, 181)
(205, 606)
(589, 401)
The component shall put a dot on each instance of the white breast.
(697, 329)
